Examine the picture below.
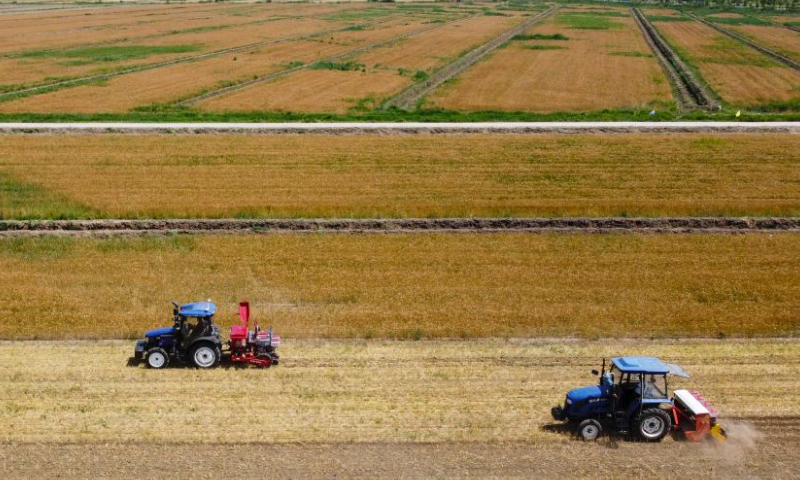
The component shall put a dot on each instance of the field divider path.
(676, 225)
(13, 95)
(691, 92)
(766, 51)
(410, 97)
(389, 128)
(288, 71)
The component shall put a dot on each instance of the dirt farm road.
(397, 128)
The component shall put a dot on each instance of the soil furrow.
(489, 225)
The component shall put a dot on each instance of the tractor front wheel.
(653, 425)
(590, 430)
(157, 358)
(206, 356)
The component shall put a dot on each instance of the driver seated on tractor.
(651, 389)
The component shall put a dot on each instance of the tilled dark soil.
(744, 458)
(532, 225)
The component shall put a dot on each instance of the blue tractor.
(193, 338)
(631, 398)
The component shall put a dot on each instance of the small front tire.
(206, 356)
(157, 358)
(589, 430)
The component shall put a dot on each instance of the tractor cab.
(631, 397)
(193, 338)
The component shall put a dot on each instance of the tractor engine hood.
(159, 332)
(585, 393)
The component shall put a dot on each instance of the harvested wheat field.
(363, 81)
(779, 39)
(740, 75)
(59, 30)
(364, 176)
(568, 63)
(410, 285)
(367, 409)
(172, 83)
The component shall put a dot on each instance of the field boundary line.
(691, 92)
(408, 98)
(26, 92)
(674, 225)
(761, 49)
(274, 75)
(392, 128)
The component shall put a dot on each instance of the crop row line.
(410, 97)
(272, 76)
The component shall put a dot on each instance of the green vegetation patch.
(583, 21)
(341, 66)
(87, 55)
(22, 201)
(33, 249)
(668, 18)
(743, 20)
(632, 54)
(355, 28)
(540, 36)
(544, 47)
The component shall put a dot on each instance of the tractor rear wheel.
(589, 430)
(653, 425)
(157, 358)
(205, 355)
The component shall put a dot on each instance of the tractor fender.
(212, 339)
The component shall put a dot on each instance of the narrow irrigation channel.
(675, 225)
(691, 92)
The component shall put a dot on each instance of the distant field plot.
(375, 75)
(171, 83)
(780, 39)
(577, 60)
(409, 286)
(740, 75)
(399, 176)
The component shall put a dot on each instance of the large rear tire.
(157, 358)
(653, 425)
(205, 355)
(590, 430)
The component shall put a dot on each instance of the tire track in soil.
(676, 225)
(281, 73)
(410, 97)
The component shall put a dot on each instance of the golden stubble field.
(379, 77)
(406, 176)
(591, 70)
(739, 74)
(409, 285)
(362, 390)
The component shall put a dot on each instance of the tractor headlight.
(568, 402)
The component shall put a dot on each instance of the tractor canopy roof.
(198, 309)
(648, 365)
